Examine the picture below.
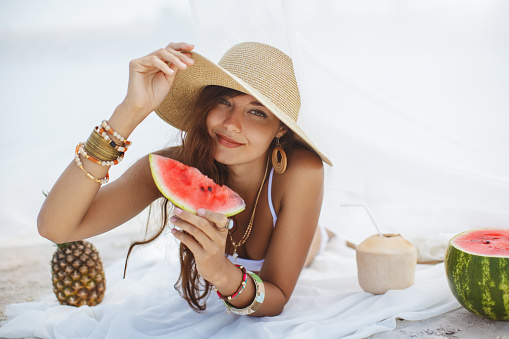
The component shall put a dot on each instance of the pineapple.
(78, 276)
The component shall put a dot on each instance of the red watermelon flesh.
(491, 242)
(187, 188)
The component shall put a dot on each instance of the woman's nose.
(233, 120)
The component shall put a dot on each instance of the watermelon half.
(187, 188)
(477, 267)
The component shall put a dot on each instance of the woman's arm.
(101, 210)
(301, 191)
(76, 207)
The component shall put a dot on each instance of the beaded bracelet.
(110, 130)
(112, 143)
(257, 301)
(80, 149)
(243, 284)
(99, 181)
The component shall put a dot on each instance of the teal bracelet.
(257, 301)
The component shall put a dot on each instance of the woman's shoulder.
(304, 169)
(303, 161)
(168, 152)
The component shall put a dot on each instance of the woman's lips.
(227, 142)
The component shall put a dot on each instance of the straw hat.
(259, 70)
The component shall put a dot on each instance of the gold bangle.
(100, 149)
(257, 301)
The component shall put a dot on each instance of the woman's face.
(242, 129)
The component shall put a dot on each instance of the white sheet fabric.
(327, 303)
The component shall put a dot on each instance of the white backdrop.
(64, 68)
(408, 99)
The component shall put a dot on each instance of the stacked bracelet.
(257, 301)
(243, 284)
(101, 149)
(102, 132)
(80, 165)
(110, 130)
(80, 149)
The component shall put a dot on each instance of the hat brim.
(190, 82)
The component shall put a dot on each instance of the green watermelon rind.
(479, 283)
(177, 202)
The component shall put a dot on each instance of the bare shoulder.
(167, 152)
(303, 163)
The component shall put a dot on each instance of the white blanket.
(327, 303)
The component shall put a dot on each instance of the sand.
(25, 276)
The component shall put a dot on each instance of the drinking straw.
(369, 213)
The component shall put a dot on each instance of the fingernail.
(173, 231)
(201, 212)
(173, 219)
(178, 210)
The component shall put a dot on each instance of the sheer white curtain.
(408, 99)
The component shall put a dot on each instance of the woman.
(236, 116)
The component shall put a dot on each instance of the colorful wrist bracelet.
(110, 130)
(90, 176)
(243, 284)
(97, 147)
(80, 149)
(257, 301)
(112, 143)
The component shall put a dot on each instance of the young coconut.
(385, 263)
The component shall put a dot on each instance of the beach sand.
(25, 275)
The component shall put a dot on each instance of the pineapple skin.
(78, 275)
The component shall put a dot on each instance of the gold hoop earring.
(279, 161)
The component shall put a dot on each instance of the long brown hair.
(197, 150)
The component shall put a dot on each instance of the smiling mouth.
(227, 142)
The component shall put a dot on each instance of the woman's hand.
(150, 78)
(205, 235)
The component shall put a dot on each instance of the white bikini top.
(256, 265)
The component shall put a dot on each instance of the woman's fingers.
(218, 219)
(180, 46)
(181, 51)
(161, 65)
(173, 60)
(210, 223)
(188, 240)
(195, 231)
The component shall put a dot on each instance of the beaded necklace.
(250, 225)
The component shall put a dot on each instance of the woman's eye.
(259, 113)
(223, 101)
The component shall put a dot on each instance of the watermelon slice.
(477, 267)
(187, 188)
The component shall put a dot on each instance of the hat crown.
(268, 70)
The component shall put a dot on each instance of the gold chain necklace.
(250, 225)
